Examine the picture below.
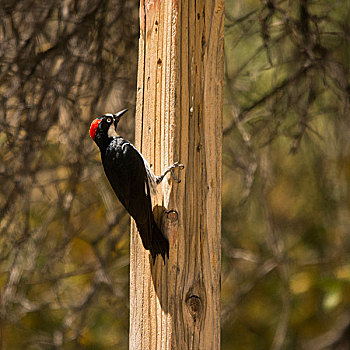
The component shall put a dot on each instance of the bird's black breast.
(125, 170)
(114, 151)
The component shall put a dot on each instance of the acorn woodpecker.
(132, 180)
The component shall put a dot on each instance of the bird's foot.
(171, 170)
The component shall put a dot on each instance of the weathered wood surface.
(179, 118)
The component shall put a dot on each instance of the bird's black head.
(100, 128)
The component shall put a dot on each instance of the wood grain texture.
(179, 118)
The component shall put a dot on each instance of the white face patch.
(111, 130)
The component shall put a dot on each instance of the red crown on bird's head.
(93, 127)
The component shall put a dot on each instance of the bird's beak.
(119, 114)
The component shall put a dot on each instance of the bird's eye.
(109, 120)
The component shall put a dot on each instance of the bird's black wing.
(125, 170)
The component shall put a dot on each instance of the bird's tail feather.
(159, 244)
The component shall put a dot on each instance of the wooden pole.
(179, 118)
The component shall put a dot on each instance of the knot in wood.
(172, 216)
(194, 304)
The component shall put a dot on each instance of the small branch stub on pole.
(176, 305)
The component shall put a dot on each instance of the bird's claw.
(160, 178)
(176, 165)
(174, 176)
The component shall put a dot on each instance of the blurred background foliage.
(64, 243)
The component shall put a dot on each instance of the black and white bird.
(132, 180)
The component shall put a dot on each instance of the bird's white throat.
(112, 132)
